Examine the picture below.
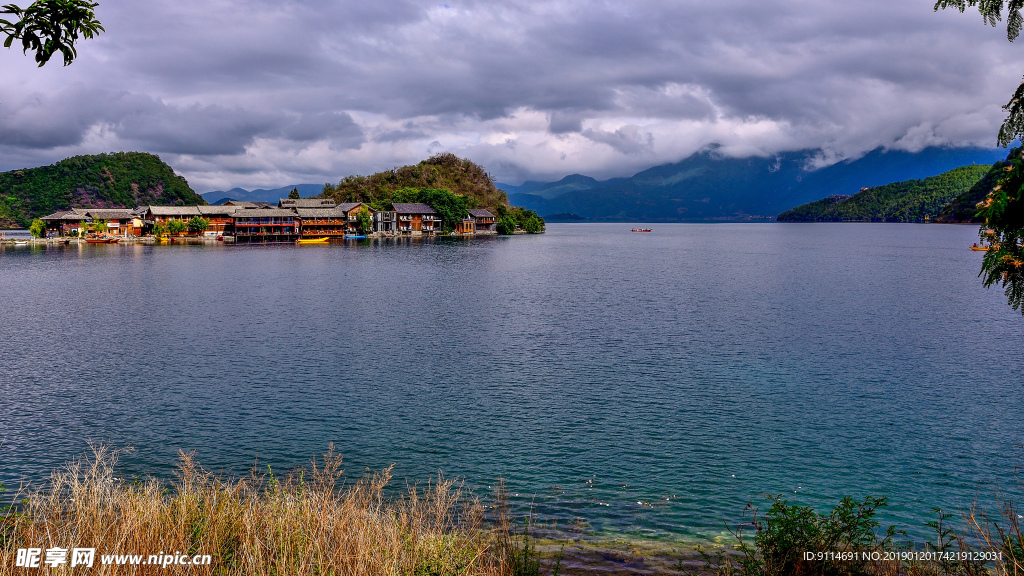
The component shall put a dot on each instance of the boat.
(20, 242)
(981, 248)
(641, 230)
(100, 240)
(323, 240)
(355, 237)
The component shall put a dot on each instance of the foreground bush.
(305, 523)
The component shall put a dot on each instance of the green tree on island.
(50, 26)
(37, 229)
(1003, 208)
(294, 194)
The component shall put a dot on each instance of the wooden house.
(266, 225)
(320, 222)
(483, 221)
(221, 219)
(416, 219)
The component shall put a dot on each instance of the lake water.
(651, 384)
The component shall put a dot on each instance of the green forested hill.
(117, 180)
(964, 207)
(446, 171)
(907, 201)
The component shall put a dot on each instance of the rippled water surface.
(652, 384)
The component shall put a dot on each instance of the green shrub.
(786, 532)
(176, 227)
(506, 225)
(198, 225)
(37, 228)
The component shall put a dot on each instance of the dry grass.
(304, 523)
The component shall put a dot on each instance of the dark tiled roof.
(242, 203)
(218, 210)
(174, 210)
(346, 206)
(413, 209)
(320, 212)
(264, 213)
(306, 203)
(479, 213)
(65, 215)
(111, 214)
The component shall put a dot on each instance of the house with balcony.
(221, 219)
(416, 219)
(322, 222)
(266, 225)
(483, 221)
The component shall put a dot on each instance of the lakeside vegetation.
(312, 521)
(964, 208)
(906, 201)
(117, 180)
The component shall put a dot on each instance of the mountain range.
(709, 186)
(260, 194)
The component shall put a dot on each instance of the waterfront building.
(120, 221)
(483, 221)
(320, 222)
(266, 225)
(221, 219)
(416, 219)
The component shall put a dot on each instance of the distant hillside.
(964, 207)
(262, 195)
(446, 171)
(907, 201)
(117, 180)
(709, 186)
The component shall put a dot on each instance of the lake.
(649, 384)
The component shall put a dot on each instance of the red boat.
(100, 240)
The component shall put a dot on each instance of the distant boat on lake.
(641, 230)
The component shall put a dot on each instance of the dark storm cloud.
(324, 87)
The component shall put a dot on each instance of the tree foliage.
(992, 13)
(442, 171)
(198, 225)
(907, 201)
(120, 180)
(451, 207)
(294, 194)
(517, 217)
(37, 228)
(50, 26)
(175, 227)
(1003, 213)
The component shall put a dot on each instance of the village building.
(323, 222)
(266, 225)
(119, 221)
(483, 221)
(416, 219)
(164, 214)
(221, 219)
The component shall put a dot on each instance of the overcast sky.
(255, 93)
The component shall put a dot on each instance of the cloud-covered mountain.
(711, 186)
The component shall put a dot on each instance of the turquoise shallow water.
(651, 384)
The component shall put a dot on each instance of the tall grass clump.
(306, 523)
